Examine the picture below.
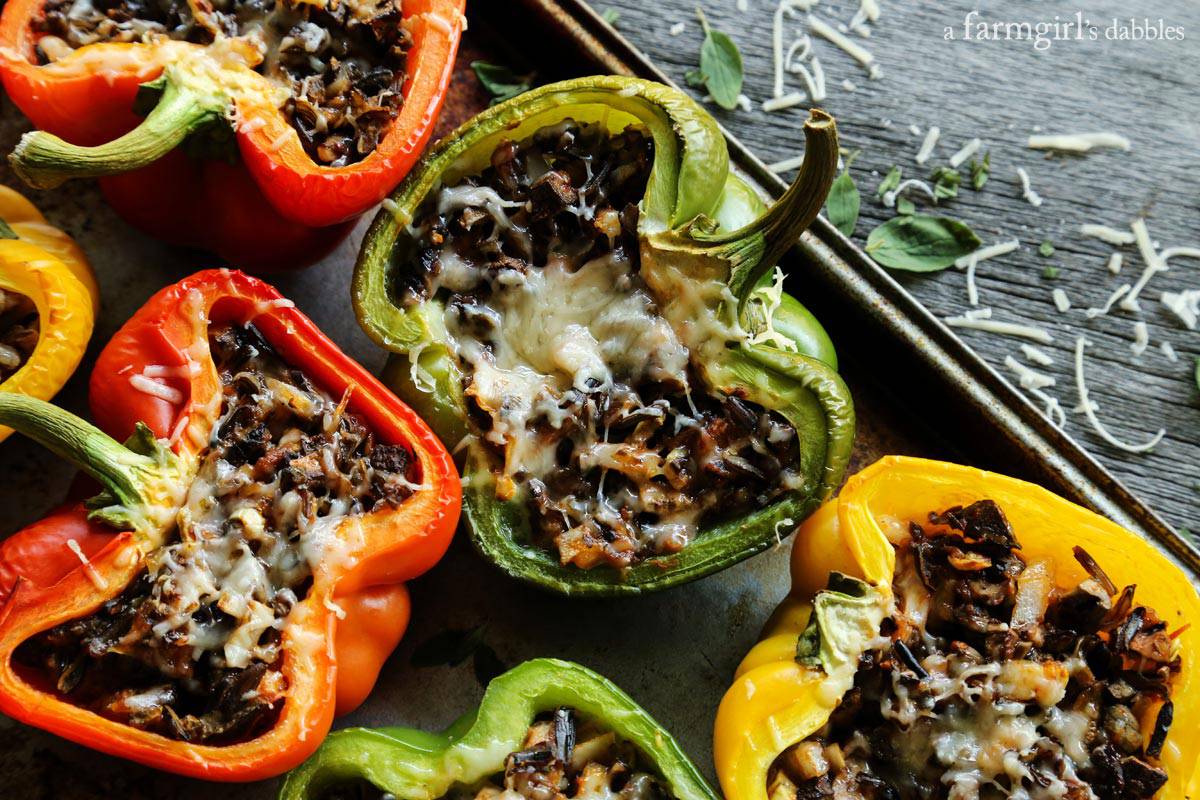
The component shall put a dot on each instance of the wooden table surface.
(1002, 91)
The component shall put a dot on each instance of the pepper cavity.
(342, 64)
(990, 681)
(192, 649)
(19, 332)
(596, 766)
(585, 399)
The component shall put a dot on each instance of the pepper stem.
(753, 250)
(45, 161)
(133, 475)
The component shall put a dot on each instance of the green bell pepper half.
(700, 225)
(416, 765)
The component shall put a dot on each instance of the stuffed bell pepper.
(240, 578)
(48, 302)
(545, 729)
(258, 130)
(580, 297)
(952, 633)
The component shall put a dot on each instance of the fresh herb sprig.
(721, 71)
(843, 204)
(500, 81)
(921, 242)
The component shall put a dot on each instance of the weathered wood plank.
(1002, 91)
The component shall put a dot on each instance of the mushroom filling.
(583, 396)
(343, 63)
(19, 332)
(990, 682)
(193, 648)
(562, 758)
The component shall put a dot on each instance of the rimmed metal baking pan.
(919, 390)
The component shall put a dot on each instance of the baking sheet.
(916, 393)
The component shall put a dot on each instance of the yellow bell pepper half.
(775, 702)
(45, 265)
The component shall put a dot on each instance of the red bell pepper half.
(274, 208)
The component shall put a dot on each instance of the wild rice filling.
(192, 649)
(587, 402)
(562, 758)
(989, 682)
(19, 331)
(343, 62)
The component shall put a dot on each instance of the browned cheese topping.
(562, 758)
(583, 397)
(343, 63)
(193, 648)
(19, 331)
(990, 682)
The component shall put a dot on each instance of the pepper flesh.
(775, 701)
(275, 209)
(690, 203)
(67, 565)
(415, 764)
(46, 266)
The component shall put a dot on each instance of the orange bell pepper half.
(335, 637)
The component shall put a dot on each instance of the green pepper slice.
(699, 227)
(416, 765)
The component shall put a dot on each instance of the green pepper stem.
(45, 161)
(123, 472)
(755, 248)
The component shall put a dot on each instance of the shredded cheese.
(1179, 252)
(1185, 305)
(1003, 328)
(931, 138)
(155, 389)
(1028, 378)
(677, 28)
(966, 151)
(991, 251)
(1114, 263)
(978, 313)
(787, 165)
(889, 198)
(853, 49)
(1106, 234)
(1168, 350)
(788, 100)
(1090, 410)
(1079, 142)
(1034, 199)
(1053, 410)
(914, 129)
(1141, 338)
(972, 289)
(95, 577)
(1061, 301)
(1120, 292)
(1154, 264)
(849, 85)
(1037, 355)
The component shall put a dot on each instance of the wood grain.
(1003, 91)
